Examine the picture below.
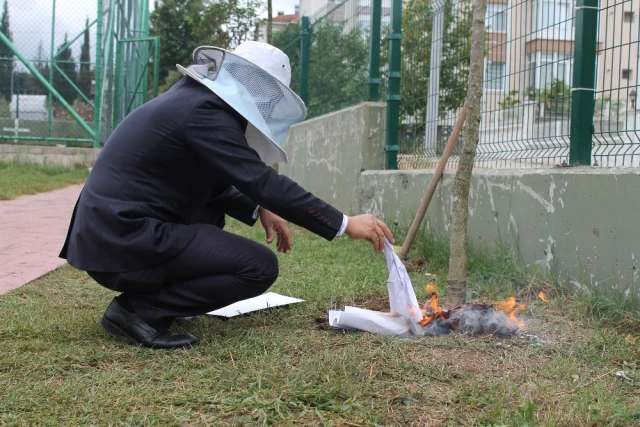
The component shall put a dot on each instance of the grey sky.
(31, 22)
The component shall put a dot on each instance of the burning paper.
(405, 311)
(407, 319)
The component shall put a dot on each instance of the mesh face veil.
(270, 107)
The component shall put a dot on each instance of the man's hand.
(272, 222)
(370, 228)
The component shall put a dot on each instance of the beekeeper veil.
(254, 80)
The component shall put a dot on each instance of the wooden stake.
(431, 189)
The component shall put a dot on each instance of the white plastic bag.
(405, 312)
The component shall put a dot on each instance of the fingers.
(269, 230)
(380, 237)
(284, 237)
(369, 227)
(386, 231)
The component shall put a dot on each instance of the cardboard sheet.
(261, 302)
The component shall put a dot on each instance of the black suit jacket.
(178, 160)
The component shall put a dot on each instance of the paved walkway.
(32, 232)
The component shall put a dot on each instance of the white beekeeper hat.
(254, 80)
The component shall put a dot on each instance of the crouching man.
(149, 221)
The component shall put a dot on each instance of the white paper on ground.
(353, 318)
(261, 302)
(405, 311)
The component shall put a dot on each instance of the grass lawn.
(285, 367)
(18, 179)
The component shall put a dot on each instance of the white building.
(278, 23)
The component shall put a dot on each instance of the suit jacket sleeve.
(214, 132)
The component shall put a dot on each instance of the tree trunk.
(269, 20)
(457, 289)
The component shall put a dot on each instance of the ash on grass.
(57, 367)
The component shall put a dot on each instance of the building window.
(496, 19)
(548, 14)
(628, 17)
(626, 74)
(494, 75)
(547, 67)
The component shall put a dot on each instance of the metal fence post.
(583, 91)
(393, 97)
(156, 66)
(51, 62)
(97, 89)
(374, 52)
(305, 34)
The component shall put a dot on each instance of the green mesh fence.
(339, 54)
(617, 119)
(70, 71)
(528, 82)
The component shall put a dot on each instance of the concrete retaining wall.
(328, 153)
(49, 155)
(580, 223)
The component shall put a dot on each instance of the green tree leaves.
(338, 64)
(184, 25)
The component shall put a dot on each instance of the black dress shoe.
(122, 323)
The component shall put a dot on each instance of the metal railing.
(616, 116)
(346, 53)
(331, 54)
(71, 78)
(557, 91)
(560, 84)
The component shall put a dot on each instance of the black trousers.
(216, 269)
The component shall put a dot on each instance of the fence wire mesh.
(58, 72)
(527, 80)
(530, 48)
(61, 45)
(617, 120)
(339, 57)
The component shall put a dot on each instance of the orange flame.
(511, 309)
(431, 289)
(431, 309)
(543, 297)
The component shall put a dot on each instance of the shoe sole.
(114, 329)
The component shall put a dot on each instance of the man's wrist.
(256, 213)
(343, 227)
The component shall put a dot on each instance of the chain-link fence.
(69, 71)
